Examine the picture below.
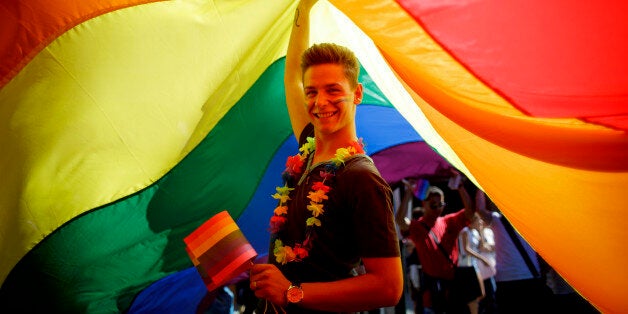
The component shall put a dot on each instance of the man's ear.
(358, 94)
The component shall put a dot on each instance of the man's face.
(330, 99)
(433, 206)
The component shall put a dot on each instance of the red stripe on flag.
(217, 258)
(236, 264)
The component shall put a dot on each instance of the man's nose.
(320, 100)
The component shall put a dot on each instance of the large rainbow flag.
(124, 125)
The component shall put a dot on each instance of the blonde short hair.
(325, 53)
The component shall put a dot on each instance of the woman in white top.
(469, 280)
(488, 304)
(517, 289)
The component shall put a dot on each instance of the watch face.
(295, 294)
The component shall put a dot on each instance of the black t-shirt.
(357, 222)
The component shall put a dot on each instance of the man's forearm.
(299, 41)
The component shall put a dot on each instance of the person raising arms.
(434, 236)
(334, 246)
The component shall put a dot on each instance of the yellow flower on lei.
(316, 208)
(313, 221)
(308, 147)
(283, 194)
(283, 254)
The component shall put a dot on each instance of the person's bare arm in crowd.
(401, 216)
(293, 77)
(466, 244)
(480, 205)
(469, 205)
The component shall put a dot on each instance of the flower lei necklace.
(294, 168)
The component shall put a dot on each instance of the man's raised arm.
(293, 78)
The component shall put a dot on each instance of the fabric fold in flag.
(219, 250)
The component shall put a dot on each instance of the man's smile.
(321, 115)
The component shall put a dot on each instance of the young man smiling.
(334, 247)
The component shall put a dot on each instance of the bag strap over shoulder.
(435, 238)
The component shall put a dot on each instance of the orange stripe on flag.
(213, 239)
(209, 227)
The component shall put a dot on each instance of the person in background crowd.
(487, 304)
(434, 237)
(414, 273)
(334, 247)
(469, 283)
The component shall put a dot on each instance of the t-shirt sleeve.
(308, 131)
